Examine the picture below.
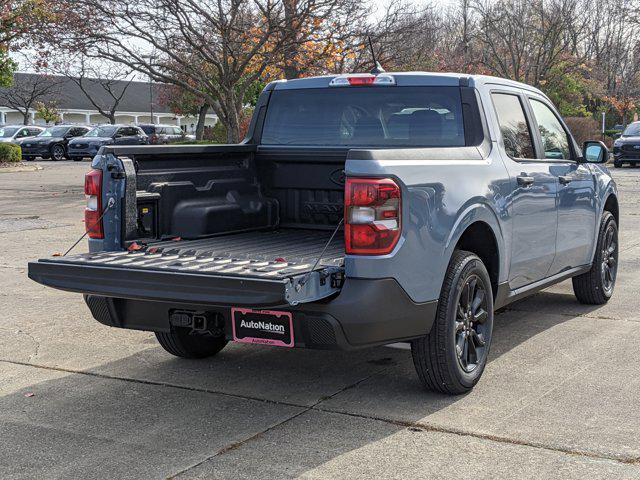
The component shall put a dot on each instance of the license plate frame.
(262, 327)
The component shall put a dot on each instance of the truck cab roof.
(410, 79)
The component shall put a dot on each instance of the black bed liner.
(267, 254)
(251, 268)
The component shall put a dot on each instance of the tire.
(185, 345)
(58, 153)
(596, 286)
(438, 357)
(77, 159)
(617, 164)
(28, 159)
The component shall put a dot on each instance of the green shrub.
(10, 152)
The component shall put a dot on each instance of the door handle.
(565, 179)
(525, 181)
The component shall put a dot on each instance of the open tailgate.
(199, 271)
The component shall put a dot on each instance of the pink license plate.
(265, 327)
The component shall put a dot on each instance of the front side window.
(101, 132)
(554, 137)
(513, 125)
(54, 132)
(23, 133)
(365, 116)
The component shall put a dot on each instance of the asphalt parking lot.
(559, 398)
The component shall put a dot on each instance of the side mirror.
(594, 151)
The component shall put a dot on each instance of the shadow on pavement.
(174, 413)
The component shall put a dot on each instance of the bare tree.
(215, 49)
(523, 39)
(27, 90)
(104, 86)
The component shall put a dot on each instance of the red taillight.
(93, 210)
(372, 216)
(153, 138)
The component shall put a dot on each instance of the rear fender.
(480, 212)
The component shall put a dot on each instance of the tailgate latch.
(314, 285)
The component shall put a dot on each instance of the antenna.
(377, 68)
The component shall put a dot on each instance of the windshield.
(101, 132)
(365, 116)
(632, 130)
(8, 132)
(54, 132)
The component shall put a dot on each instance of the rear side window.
(366, 116)
(148, 129)
(554, 138)
(513, 125)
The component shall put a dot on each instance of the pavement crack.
(426, 426)
(236, 445)
(429, 427)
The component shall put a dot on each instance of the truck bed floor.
(264, 254)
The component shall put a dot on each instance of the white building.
(136, 106)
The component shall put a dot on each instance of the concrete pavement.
(80, 400)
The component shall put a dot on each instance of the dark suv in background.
(164, 134)
(626, 149)
(89, 144)
(52, 142)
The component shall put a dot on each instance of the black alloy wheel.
(609, 268)
(595, 287)
(57, 152)
(451, 357)
(471, 328)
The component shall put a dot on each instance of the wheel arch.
(479, 231)
(611, 205)
(480, 239)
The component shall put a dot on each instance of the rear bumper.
(365, 313)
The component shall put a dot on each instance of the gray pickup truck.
(360, 210)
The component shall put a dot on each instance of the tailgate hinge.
(314, 286)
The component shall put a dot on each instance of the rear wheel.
(57, 153)
(617, 164)
(452, 357)
(596, 286)
(181, 343)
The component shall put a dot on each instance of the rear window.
(365, 116)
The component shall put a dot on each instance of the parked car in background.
(88, 145)
(13, 133)
(626, 148)
(51, 143)
(164, 134)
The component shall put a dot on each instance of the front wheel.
(596, 286)
(452, 357)
(183, 343)
(617, 164)
(57, 153)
